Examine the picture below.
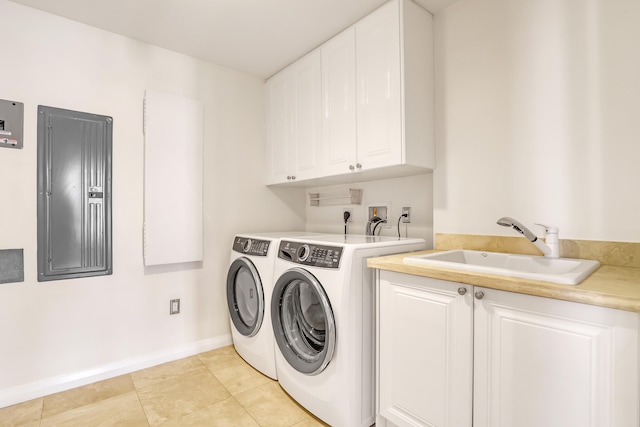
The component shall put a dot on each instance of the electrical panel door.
(74, 194)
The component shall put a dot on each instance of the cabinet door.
(281, 148)
(424, 351)
(293, 121)
(306, 73)
(543, 362)
(379, 115)
(339, 103)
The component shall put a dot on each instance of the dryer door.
(245, 297)
(303, 322)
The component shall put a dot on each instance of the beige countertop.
(609, 286)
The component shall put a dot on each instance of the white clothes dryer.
(248, 288)
(323, 318)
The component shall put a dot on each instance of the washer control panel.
(255, 247)
(310, 254)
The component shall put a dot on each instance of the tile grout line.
(179, 376)
(135, 388)
(229, 391)
(41, 412)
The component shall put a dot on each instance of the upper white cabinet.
(377, 100)
(294, 121)
(456, 355)
(339, 150)
(394, 69)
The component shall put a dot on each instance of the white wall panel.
(173, 131)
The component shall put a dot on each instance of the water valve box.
(11, 265)
(11, 123)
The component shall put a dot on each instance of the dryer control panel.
(255, 247)
(310, 254)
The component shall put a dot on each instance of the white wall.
(59, 334)
(538, 117)
(415, 192)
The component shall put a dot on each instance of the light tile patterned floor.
(216, 388)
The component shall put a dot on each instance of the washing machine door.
(245, 297)
(303, 322)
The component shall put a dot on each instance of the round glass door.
(303, 322)
(245, 297)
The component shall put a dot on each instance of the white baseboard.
(60, 383)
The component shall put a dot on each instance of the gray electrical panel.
(11, 123)
(74, 194)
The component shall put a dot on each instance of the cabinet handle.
(358, 165)
(479, 295)
(351, 167)
(462, 290)
(291, 177)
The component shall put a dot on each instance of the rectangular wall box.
(74, 194)
(173, 147)
(11, 265)
(11, 123)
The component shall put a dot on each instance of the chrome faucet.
(551, 247)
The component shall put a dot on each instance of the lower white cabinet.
(425, 337)
(456, 355)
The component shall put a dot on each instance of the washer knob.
(303, 252)
(246, 246)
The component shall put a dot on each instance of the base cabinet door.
(545, 362)
(424, 359)
(456, 355)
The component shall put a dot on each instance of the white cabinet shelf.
(453, 355)
(376, 114)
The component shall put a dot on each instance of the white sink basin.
(567, 271)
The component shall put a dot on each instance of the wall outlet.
(174, 306)
(407, 211)
(350, 213)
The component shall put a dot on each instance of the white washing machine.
(322, 314)
(249, 287)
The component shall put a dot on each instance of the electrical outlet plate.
(406, 219)
(174, 306)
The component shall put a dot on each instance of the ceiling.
(259, 37)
